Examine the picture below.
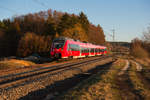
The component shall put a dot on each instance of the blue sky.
(129, 18)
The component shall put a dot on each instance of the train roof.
(89, 45)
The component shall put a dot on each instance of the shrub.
(31, 43)
(139, 52)
(137, 49)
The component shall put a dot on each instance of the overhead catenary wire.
(8, 9)
(40, 3)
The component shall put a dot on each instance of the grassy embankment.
(141, 80)
(13, 63)
(98, 86)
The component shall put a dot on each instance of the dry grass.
(98, 86)
(144, 61)
(13, 63)
(139, 52)
(138, 83)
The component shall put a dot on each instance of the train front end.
(57, 48)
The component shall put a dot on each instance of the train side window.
(71, 47)
(91, 50)
(78, 47)
(95, 50)
(68, 47)
(85, 50)
(100, 50)
(82, 50)
(75, 47)
(88, 50)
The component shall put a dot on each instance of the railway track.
(14, 80)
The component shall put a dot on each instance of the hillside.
(33, 33)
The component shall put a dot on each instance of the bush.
(139, 52)
(31, 43)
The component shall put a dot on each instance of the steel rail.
(18, 81)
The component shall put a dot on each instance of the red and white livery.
(63, 47)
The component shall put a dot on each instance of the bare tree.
(146, 35)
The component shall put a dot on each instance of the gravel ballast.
(21, 92)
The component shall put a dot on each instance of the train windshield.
(58, 44)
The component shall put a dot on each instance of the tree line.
(33, 33)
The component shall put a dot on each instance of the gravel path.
(124, 68)
(138, 66)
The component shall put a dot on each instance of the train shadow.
(62, 86)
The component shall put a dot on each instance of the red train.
(63, 47)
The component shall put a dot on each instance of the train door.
(80, 51)
(69, 50)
